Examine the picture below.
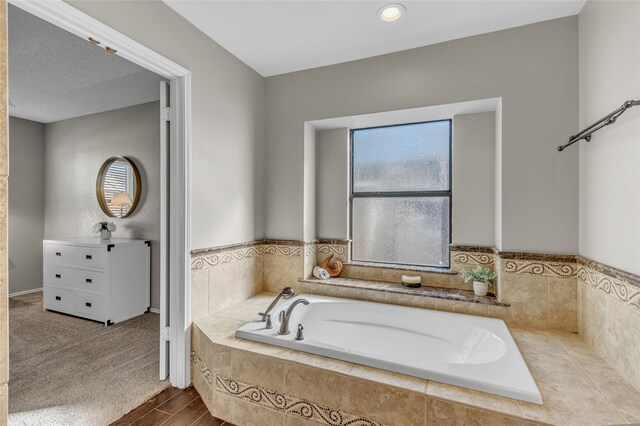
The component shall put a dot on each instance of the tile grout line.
(595, 385)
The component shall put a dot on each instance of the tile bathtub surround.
(541, 289)
(247, 382)
(609, 315)
(225, 275)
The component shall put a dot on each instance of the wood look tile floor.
(172, 406)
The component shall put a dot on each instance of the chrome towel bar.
(604, 121)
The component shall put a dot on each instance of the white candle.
(411, 279)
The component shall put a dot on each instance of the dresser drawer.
(82, 257)
(70, 278)
(59, 254)
(91, 257)
(90, 305)
(75, 303)
(58, 299)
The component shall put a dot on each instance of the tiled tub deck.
(250, 383)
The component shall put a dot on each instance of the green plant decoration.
(481, 274)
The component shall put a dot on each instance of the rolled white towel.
(320, 273)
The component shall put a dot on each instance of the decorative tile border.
(215, 258)
(282, 250)
(473, 258)
(339, 250)
(534, 267)
(290, 405)
(278, 401)
(623, 291)
(610, 271)
(202, 367)
(209, 257)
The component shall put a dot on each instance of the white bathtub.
(463, 350)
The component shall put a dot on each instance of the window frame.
(396, 194)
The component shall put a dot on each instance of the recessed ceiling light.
(391, 12)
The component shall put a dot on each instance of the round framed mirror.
(118, 187)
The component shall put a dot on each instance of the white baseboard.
(20, 293)
(154, 310)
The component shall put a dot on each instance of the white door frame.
(65, 16)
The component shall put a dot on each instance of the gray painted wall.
(26, 204)
(473, 179)
(228, 171)
(609, 172)
(332, 183)
(75, 151)
(534, 69)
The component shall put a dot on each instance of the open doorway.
(74, 135)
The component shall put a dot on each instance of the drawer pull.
(58, 253)
(88, 280)
(88, 304)
(58, 276)
(88, 257)
(58, 298)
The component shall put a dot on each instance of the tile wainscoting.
(541, 289)
(225, 275)
(609, 315)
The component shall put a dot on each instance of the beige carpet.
(69, 371)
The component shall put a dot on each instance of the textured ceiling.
(55, 75)
(275, 37)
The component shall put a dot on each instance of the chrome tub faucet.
(285, 316)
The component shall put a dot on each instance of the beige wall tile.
(258, 370)
(528, 297)
(563, 304)
(328, 388)
(294, 420)
(240, 412)
(4, 284)
(363, 272)
(446, 413)
(4, 408)
(282, 271)
(593, 315)
(199, 293)
(386, 404)
(479, 400)
(203, 388)
(622, 339)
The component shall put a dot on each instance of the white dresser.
(106, 281)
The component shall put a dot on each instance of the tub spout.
(285, 316)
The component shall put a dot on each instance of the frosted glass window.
(401, 194)
(412, 157)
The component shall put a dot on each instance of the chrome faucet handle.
(269, 324)
(299, 335)
(263, 316)
(281, 317)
